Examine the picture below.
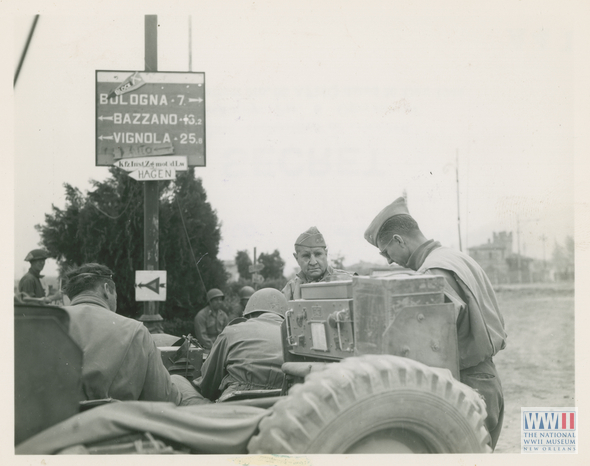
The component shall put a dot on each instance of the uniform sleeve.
(292, 290)
(213, 370)
(27, 288)
(157, 385)
(201, 331)
(452, 291)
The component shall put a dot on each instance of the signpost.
(256, 277)
(150, 285)
(141, 113)
(151, 174)
(176, 162)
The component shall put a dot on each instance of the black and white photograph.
(257, 232)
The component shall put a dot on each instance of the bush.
(178, 327)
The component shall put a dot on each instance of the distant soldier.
(211, 320)
(30, 287)
(311, 254)
(237, 310)
(480, 325)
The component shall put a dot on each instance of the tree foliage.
(273, 265)
(106, 226)
(243, 262)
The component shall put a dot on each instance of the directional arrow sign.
(176, 162)
(255, 268)
(150, 285)
(151, 174)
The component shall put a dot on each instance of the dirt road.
(537, 366)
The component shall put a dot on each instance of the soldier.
(480, 325)
(30, 288)
(120, 358)
(211, 320)
(245, 294)
(248, 354)
(311, 254)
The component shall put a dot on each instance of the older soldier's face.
(313, 261)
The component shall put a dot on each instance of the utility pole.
(543, 238)
(151, 198)
(458, 203)
(518, 248)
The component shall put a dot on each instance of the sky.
(322, 113)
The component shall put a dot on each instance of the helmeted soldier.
(311, 253)
(480, 325)
(248, 354)
(30, 287)
(211, 320)
(237, 310)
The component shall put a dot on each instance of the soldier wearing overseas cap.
(211, 320)
(121, 360)
(480, 325)
(312, 256)
(248, 354)
(30, 288)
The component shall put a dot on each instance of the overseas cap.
(214, 293)
(246, 292)
(397, 207)
(267, 300)
(311, 238)
(37, 254)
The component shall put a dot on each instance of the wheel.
(376, 404)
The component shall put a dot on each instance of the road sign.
(142, 113)
(150, 285)
(257, 278)
(255, 268)
(176, 162)
(154, 174)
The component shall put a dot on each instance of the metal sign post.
(151, 202)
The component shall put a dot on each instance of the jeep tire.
(376, 404)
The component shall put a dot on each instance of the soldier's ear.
(295, 255)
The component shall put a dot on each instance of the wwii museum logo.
(549, 430)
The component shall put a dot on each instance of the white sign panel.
(150, 285)
(176, 162)
(151, 174)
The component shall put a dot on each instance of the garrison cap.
(311, 238)
(37, 254)
(397, 207)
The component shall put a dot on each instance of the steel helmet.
(267, 300)
(37, 254)
(214, 293)
(246, 292)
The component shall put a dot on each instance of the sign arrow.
(105, 118)
(195, 100)
(154, 174)
(154, 285)
(101, 137)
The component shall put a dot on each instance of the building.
(499, 262)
